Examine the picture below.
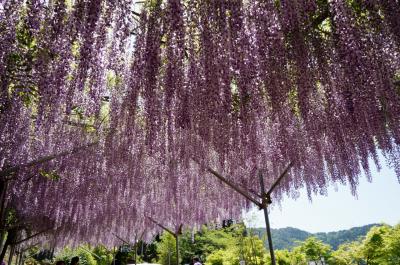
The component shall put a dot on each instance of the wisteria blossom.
(111, 111)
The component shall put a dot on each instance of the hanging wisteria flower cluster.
(109, 115)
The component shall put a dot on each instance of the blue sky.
(377, 201)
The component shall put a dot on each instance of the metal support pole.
(21, 258)
(174, 234)
(265, 198)
(264, 203)
(21, 253)
(16, 256)
(135, 247)
(115, 254)
(10, 258)
(268, 228)
(135, 255)
(177, 249)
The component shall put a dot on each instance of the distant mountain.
(286, 238)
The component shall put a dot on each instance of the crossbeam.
(238, 189)
(175, 234)
(32, 236)
(120, 238)
(279, 179)
(7, 171)
(265, 198)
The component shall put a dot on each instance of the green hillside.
(286, 238)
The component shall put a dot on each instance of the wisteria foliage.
(147, 101)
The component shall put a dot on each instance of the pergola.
(115, 111)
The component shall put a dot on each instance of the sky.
(376, 202)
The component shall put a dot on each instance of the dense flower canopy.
(109, 115)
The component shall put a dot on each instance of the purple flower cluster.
(129, 110)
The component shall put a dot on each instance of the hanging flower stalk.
(233, 85)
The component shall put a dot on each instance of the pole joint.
(265, 201)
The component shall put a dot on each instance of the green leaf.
(51, 175)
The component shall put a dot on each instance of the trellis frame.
(264, 196)
(174, 234)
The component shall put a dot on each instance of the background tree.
(283, 257)
(102, 255)
(166, 249)
(373, 246)
(297, 257)
(347, 253)
(392, 246)
(85, 257)
(234, 245)
(315, 249)
(252, 249)
(216, 258)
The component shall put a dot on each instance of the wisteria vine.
(110, 111)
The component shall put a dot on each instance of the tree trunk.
(3, 251)
(17, 256)
(10, 258)
(22, 259)
(10, 240)
(3, 192)
(3, 236)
